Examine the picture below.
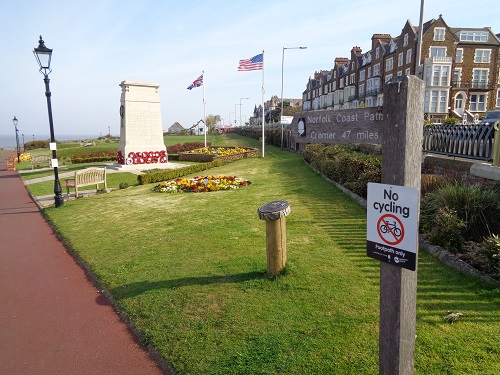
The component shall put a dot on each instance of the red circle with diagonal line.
(390, 229)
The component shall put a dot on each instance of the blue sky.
(98, 44)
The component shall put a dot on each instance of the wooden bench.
(84, 177)
(10, 162)
(40, 160)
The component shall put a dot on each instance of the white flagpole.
(263, 91)
(205, 129)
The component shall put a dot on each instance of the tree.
(212, 121)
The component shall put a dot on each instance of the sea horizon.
(8, 142)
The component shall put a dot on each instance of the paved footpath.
(52, 319)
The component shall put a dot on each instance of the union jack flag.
(254, 63)
(197, 83)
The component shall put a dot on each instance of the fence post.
(401, 165)
(496, 145)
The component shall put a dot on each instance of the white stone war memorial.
(141, 132)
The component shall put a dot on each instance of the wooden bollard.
(274, 214)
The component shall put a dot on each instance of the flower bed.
(200, 184)
(207, 154)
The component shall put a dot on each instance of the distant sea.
(8, 142)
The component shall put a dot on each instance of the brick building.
(460, 67)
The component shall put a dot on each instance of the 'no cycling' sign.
(392, 224)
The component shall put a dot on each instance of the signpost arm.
(401, 165)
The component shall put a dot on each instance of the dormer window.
(392, 46)
(439, 33)
(405, 40)
(473, 36)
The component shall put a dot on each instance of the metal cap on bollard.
(274, 210)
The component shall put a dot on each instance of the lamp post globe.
(43, 56)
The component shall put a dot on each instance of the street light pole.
(282, 74)
(240, 108)
(14, 120)
(43, 56)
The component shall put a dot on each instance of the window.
(377, 52)
(439, 33)
(498, 98)
(473, 36)
(408, 56)
(435, 101)
(352, 66)
(389, 64)
(376, 70)
(400, 59)
(477, 102)
(352, 79)
(341, 83)
(480, 78)
(400, 73)
(407, 71)
(369, 72)
(362, 90)
(437, 75)
(459, 57)
(362, 75)
(405, 40)
(482, 56)
(457, 77)
(388, 77)
(437, 52)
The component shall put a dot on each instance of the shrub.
(171, 174)
(94, 156)
(446, 230)
(345, 165)
(478, 208)
(431, 182)
(188, 146)
(491, 249)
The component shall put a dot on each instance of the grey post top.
(274, 210)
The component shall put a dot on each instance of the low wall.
(473, 171)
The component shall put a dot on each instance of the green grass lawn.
(189, 271)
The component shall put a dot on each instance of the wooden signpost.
(398, 127)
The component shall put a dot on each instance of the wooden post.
(496, 145)
(274, 213)
(401, 165)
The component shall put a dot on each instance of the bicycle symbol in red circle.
(390, 229)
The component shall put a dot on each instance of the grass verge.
(189, 271)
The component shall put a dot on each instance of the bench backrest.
(40, 158)
(90, 176)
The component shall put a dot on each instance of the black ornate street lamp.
(14, 120)
(43, 56)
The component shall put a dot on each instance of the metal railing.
(467, 141)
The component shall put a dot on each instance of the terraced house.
(460, 67)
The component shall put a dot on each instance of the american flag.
(255, 63)
(197, 83)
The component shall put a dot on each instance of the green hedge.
(346, 165)
(94, 159)
(171, 174)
